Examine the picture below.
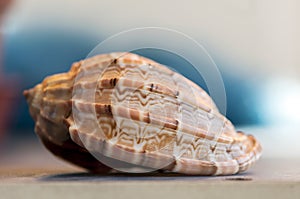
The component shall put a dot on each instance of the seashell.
(133, 111)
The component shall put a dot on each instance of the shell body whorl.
(134, 111)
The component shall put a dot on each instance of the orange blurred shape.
(7, 97)
(3, 5)
(8, 87)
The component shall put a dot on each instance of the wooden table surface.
(27, 170)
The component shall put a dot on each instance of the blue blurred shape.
(36, 53)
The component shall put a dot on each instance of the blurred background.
(255, 44)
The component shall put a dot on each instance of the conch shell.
(129, 110)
